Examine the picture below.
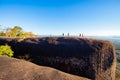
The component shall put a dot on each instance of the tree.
(6, 50)
(8, 32)
(29, 34)
(2, 33)
(18, 28)
(16, 31)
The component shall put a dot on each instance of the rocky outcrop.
(91, 58)
(14, 69)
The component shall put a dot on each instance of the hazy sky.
(90, 17)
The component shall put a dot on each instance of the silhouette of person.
(68, 34)
(63, 34)
(80, 35)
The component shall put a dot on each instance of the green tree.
(6, 50)
(8, 32)
(2, 33)
(14, 32)
(19, 29)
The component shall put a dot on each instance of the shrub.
(6, 50)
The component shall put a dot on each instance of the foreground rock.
(14, 69)
(91, 58)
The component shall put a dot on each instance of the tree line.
(15, 32)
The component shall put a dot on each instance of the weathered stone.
(14, 69)
(91, 58)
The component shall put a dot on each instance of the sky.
(54, 17)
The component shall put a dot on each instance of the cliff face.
(91, 58)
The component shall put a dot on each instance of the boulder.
(91, 58)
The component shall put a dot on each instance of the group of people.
(80, 35)
(64, 34)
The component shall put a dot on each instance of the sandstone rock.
(91, 58)
(14, 69)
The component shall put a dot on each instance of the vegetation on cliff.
(6, 50)
(15, 32)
